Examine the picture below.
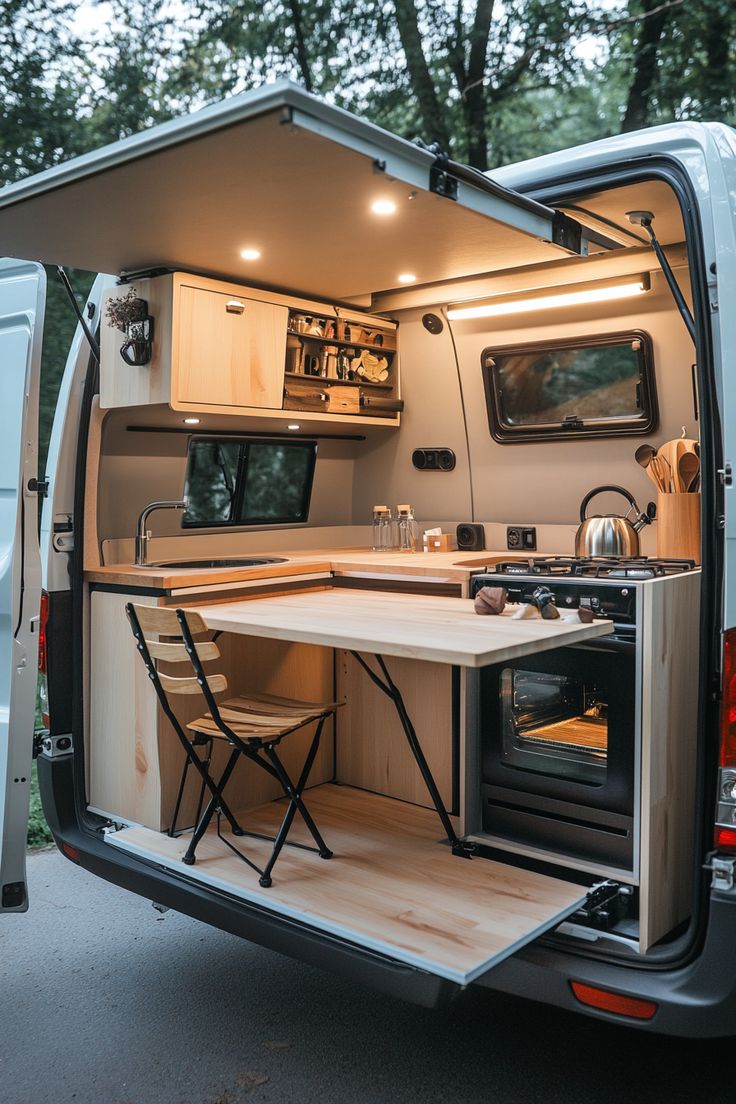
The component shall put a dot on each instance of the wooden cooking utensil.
(688, 468)
(662, 473)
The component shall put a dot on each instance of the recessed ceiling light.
(407, 278)
(250, 254)
(191, 421)
(383, 207)
(293, 426)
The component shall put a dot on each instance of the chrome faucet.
(142, 535)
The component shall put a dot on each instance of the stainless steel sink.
(250, 561)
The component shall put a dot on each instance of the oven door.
(562, 724)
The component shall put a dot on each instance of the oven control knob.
(625, 592)
(568, 600)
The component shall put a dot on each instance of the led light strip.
(600, 293)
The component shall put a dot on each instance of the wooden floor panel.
(392, 886)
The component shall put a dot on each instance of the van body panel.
(22, 302)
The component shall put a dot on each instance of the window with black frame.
(586, 387)
(236, 481)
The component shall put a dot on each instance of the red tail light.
(636, 1008)
(725, 831)
(43, 623)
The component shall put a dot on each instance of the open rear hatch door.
(22, 302)
(279, 172)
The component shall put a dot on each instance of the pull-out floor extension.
(392, 886)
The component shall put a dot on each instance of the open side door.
(22, 303)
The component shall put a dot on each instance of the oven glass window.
(554, 724)
(595, 387)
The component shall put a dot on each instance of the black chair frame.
(259, 750)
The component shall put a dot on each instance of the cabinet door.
(231, 350)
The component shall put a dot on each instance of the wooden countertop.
(447, 566)
(439, 629)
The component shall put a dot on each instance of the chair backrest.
(162, 622)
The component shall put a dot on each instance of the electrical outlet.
(514, 537)
(529, 538)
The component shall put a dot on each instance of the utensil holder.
(678, 526)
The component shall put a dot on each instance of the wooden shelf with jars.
(341, 366)
(223, 348)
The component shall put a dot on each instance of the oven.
(558, 735)
(558, 750)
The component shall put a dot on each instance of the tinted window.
(233, 481)
(599, 387)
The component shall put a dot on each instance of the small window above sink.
(234, 481)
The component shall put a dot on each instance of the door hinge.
(725, 474)
(39, 486)
(606, 904)
(567, 232)
(440, 181)
(724, 872)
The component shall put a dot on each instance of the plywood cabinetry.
(216, 348)
(228, 349)
(135, 757)
(372, 751)
(221, 348)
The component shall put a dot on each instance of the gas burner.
(595, 567)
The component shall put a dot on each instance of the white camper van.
(384, 596)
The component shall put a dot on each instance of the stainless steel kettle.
(611, 534)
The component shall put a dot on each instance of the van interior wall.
(535, 483)
(139, 467)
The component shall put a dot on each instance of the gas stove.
(606, 586)
(594, 567)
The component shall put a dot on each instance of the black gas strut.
(82, 321)
(645, 219)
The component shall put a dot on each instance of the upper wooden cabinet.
(226, 349)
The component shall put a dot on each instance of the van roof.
(279, 172)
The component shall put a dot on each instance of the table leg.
(389, 687)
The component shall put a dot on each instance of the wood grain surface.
(442, 630)
(392, 886)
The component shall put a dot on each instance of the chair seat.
(260, 716)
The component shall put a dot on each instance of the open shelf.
(343, 344)
(329, 381)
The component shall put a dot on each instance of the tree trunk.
(423, 86)
(651, 29)
(717, 94)
(474, 94)
(301, 49)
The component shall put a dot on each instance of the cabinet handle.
(234, 306)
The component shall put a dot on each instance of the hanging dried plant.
(119, 313)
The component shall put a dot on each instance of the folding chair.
(253, 726)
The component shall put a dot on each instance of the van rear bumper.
(696, 1001)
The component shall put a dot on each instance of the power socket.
(513, 537)
(529, 538)
(521, 538)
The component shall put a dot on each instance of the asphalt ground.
(105, 1001)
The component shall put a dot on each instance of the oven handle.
(607, 643)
